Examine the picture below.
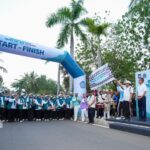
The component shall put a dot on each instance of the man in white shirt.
(141, 93)
(127, 97)
(91, 106)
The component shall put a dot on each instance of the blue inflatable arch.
(19, 47)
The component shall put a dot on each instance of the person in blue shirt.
(115, 103)
(76, 105)
(120, 104)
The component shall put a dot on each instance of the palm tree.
(69, 18)
(96, 30)
(27, 82)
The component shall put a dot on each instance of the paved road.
(67, 135)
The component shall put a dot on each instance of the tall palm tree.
(69, 18)
(96, 30)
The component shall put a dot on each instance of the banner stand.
(146, 75)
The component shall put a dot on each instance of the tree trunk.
(58, 80)
(99, 58)
(99, 55)
(72, 54)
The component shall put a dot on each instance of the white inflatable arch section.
(19, 47)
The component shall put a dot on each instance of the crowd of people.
(101, 104)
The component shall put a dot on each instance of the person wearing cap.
(127, 97)
(76, 105)
(141, 93)
(25, 106)
(91, 106)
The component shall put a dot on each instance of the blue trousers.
(142, 108)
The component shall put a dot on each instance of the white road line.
(98, 125)
(1, 124)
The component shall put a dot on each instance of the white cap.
(127, 82)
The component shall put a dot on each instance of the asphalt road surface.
(67, 135)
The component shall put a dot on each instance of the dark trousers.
(133, 106)
(120, 109)
(38, 114)
(100, 112)
(3, 113)
(25, 113)
(67, 113)
(91, 114)
(20, 114)
(142, 108)
(126, 106)
(11, 115)
(17, 114)
(46, 114)
(30, 114)
(61, 113)
(53, 114)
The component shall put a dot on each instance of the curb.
(137, 129)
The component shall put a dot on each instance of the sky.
(25, 20)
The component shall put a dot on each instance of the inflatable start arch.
(19, 47)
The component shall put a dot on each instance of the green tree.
(97, 29)
(69, 18)
(27, 82)
(33, 83)
(133, 33)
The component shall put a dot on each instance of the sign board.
(100, 77)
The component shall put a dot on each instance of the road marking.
(98, 125)
(1, 125)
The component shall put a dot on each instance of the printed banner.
(80, 85)
(19, 47)
(146, 75)
(100, 77)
